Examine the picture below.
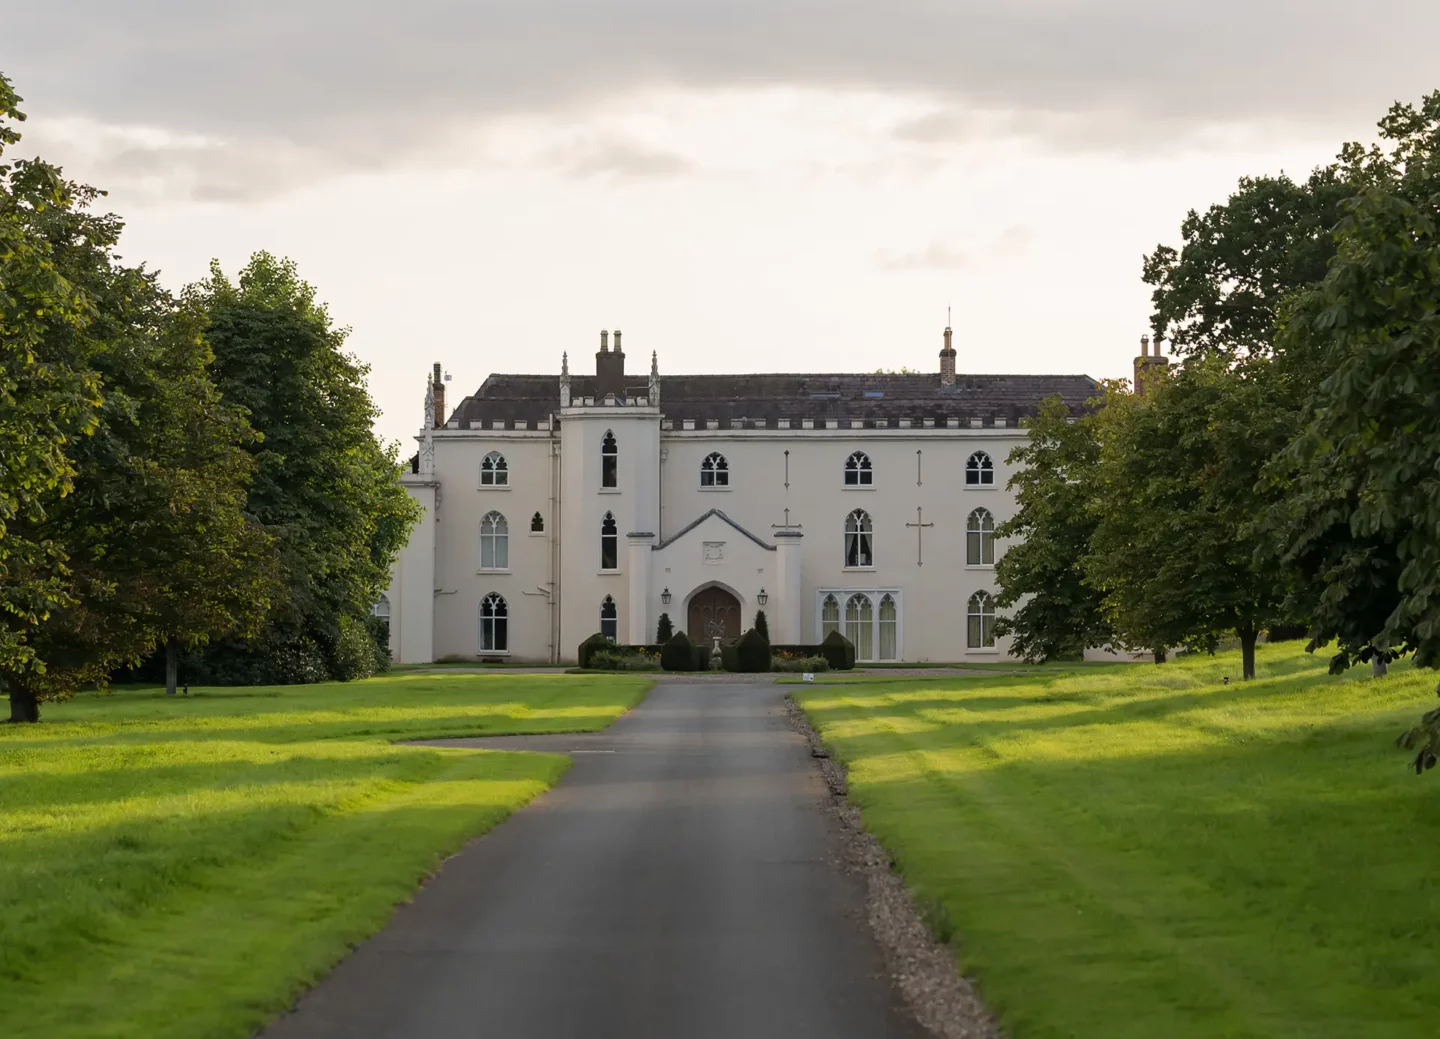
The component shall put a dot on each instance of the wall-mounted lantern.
(763, 597)
(665, 596)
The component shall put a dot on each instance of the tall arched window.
(537, 524)
(609, 461)
(494, 542)
(858, 534)
(857, 470)
(493, 470)
(888, 628)
(980, 621)
(609, 543)
(980, 539)
(715, 471)
(860, 625)
(381, 608)
(979, 471)
(494, 624)
(609, 619)
(829, 616)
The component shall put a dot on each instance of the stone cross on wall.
(919, 526)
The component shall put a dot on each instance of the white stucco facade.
(901, 590)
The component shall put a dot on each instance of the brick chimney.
(438, 385)
(610, 369)
(1147, 363)
(947, 361)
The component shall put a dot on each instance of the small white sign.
(808, 676)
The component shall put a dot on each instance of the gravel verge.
(944, 1002)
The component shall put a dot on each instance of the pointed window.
(979, 471)
(980, 539)
(537, 524)
(829, 616)
(888, 627)
(857, 470)
(609, 619)
(609, 543)
(860, 625)
(609, 461)
(381, 608)
(714, 471)
(494, 624)
(858, 544)
(494, 542)
(980, 621)
(493, 471)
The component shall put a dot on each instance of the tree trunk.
(1159, 652)
(23, 705)
(1379, 666)
(172, 666)
(1247, 652)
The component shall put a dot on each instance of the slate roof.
(761, 401)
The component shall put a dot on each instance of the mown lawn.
(184, 866)
(1129, 851)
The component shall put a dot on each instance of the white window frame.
(981, 533)
(981, 471)
(994, 646)
(613, 636)
(842, 596)
(497, 537)
(610, 449)
(862, 536)
(505, 617)
(864, 471)
(499, 472)
(717, 467)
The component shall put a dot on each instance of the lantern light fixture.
(763, 597)
(665, 596)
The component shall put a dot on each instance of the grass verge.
(1130, 851)
(185, 866)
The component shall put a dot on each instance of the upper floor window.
(980, 621)
(979, 471)
(857, 470)
(609, 619)
(537, 524)
(609, 543)
(980, 539)
(859, 550)
(609, 461)
(493, 471)
(494, 624)
(494, 542)
(715, 471)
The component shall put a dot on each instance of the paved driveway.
(681, 881)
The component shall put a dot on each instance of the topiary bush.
(761, 625)
(838, 651)
(664, 629)
(730, 657)
(590, 646)
(678, 653)
(752, 652)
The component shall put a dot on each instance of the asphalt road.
(681, 881)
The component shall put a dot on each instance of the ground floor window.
(980, 621)
(494, 624)
(869, 618)
(609, 620)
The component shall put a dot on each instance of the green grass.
(1127, 851)
(184, 866)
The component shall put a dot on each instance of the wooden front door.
(713, 604)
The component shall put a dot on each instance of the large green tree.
(324, 486)
(1059, 615)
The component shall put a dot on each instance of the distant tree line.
(1285, 471)
(189, 475)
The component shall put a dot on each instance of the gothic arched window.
(494, 624)
(537, 524)
(494, 542)
(609, 543)
(979, 471)
(609, 619)
(609, 461)
(980, 621)
(493, 471)
(715, 471)
(980, 539)
(857, 470)
(889, 627)
(829, 616)
(859, 549)
(860, 625)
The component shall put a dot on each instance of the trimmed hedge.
(592, 645)
(838, 651)
(752, 653)
(679, 654)
(815, 650)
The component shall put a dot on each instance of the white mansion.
(556, 507)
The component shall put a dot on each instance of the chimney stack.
(1147, 363)
(604, 341)
(438, 384)
(947, 361)
(610, 369)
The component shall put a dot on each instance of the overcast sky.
(741, 185)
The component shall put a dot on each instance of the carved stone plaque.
(713, 552)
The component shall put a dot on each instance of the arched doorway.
(713, 604)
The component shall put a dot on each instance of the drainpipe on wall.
(554, 533)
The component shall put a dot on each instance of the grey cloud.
(361, 82)
(622, 158)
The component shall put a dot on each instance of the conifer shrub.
(678, 653)
(752, 652)
(664, 629)
(838, 651)
(761, 625)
